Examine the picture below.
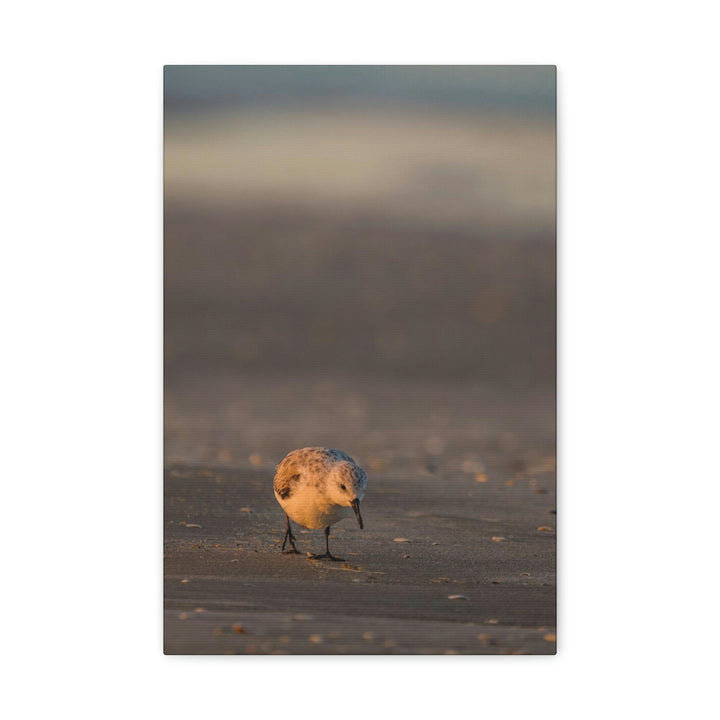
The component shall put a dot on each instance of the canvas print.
(360, 360)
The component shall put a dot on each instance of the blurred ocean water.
(528, 89)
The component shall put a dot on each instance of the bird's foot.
(327, 556)
(289, 538)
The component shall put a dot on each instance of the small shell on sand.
(400, 540)
(458, 597)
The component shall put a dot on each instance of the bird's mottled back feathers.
(311, 463)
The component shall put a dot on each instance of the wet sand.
(424, 350)
(475, 503)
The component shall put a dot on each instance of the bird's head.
(348, 487)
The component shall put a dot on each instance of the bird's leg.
(289, 536)
(327, 549)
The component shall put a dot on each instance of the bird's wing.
(285, 483)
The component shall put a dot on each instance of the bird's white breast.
(312, 509)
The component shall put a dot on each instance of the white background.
(81, 284)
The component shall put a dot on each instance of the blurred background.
(360, 256)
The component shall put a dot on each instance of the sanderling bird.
(318, 487)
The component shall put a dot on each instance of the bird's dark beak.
(355, 505)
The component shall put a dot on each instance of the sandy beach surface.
(458, 551)
(382, 281)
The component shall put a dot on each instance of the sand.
(458, 551)
(425, 350)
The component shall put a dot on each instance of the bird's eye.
(342, 487)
